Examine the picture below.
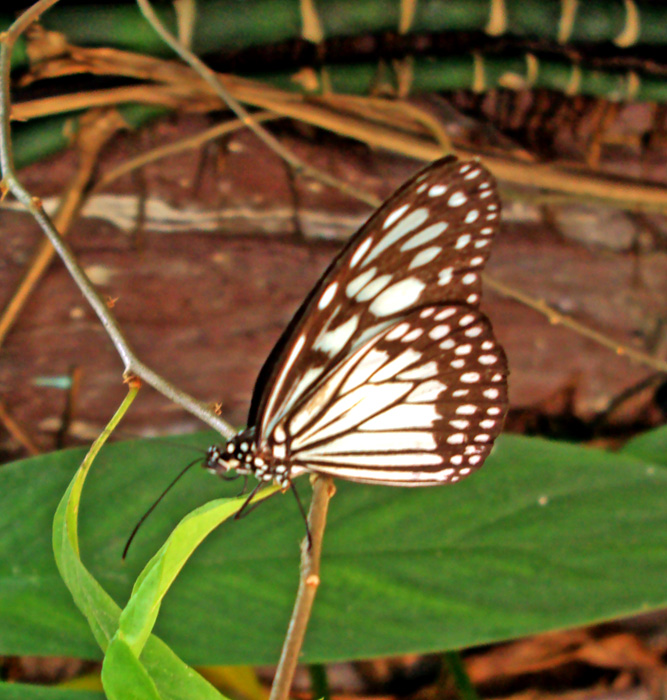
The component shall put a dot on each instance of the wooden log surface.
(228, 247)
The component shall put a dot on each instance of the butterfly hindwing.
(418, 404)
(426, 245)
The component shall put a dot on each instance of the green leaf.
(123, 675)
(649, 447)
(23, 691)
(546, 536)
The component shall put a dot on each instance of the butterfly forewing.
(426, 245)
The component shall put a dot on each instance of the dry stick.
(91, 139)
(132, 364)
(17, 431)
(574, 181)
(323, 490)
(556, 317)
(215, 83)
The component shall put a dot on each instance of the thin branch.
(556, 317)
(34, 205)
(17, 431)
(225, 95)
(323, 490)
(96, 130)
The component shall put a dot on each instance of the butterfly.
(388, 373)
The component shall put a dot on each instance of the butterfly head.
(241, 455)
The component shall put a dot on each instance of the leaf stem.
(460, 676)
(323, 490)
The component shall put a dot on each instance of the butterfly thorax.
(244, 456)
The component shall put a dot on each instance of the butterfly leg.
(246, 508)
(302, 510)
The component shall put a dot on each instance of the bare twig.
(556, 317)
(95, 132)
(323, 490)
(225, 95)
(17, 431)
(132, 364)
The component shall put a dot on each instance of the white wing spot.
(473, 332)
(486, 231)
(486, 194)
(470, 377)
(491, 393)
(448, 344)
(469, 278)
(484, 185)
(472, 216)
(457, 199)
(403, 227)
(491, 217)
(426, 392)
(398, 332)
(466, 320)
(475, 459)
(428, 234)
(487, 424)
(460, 392)
(477, 261)
(473, 298)
(438, 332)
(472, 449)
(279, 434)
(493, 411)
(487, 345)
(425, 256)
(360, 252)
(430, 369)
(463, 350)
(462, 241)
(445, 277)
(497, 378)
(427, 312)
(359, 282)
(445, 313)
(482, 437)
(456, 439)
(393, 367)
(464, 168)
(457, 364)
(492, 207)
(328, 295)
(410, 416)
(373, 288)
(472, 175)
(437, 190)
(456, 459)
(487, 359)
(466, 410)
(459, 424)
(481, 243)
(334, 341)
(421, 188)
(397, 297)
(413, 335)
(396, 214)
(464, 471)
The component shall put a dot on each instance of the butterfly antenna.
(154, 505)
(303, 514)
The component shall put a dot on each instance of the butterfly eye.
(389, 373)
